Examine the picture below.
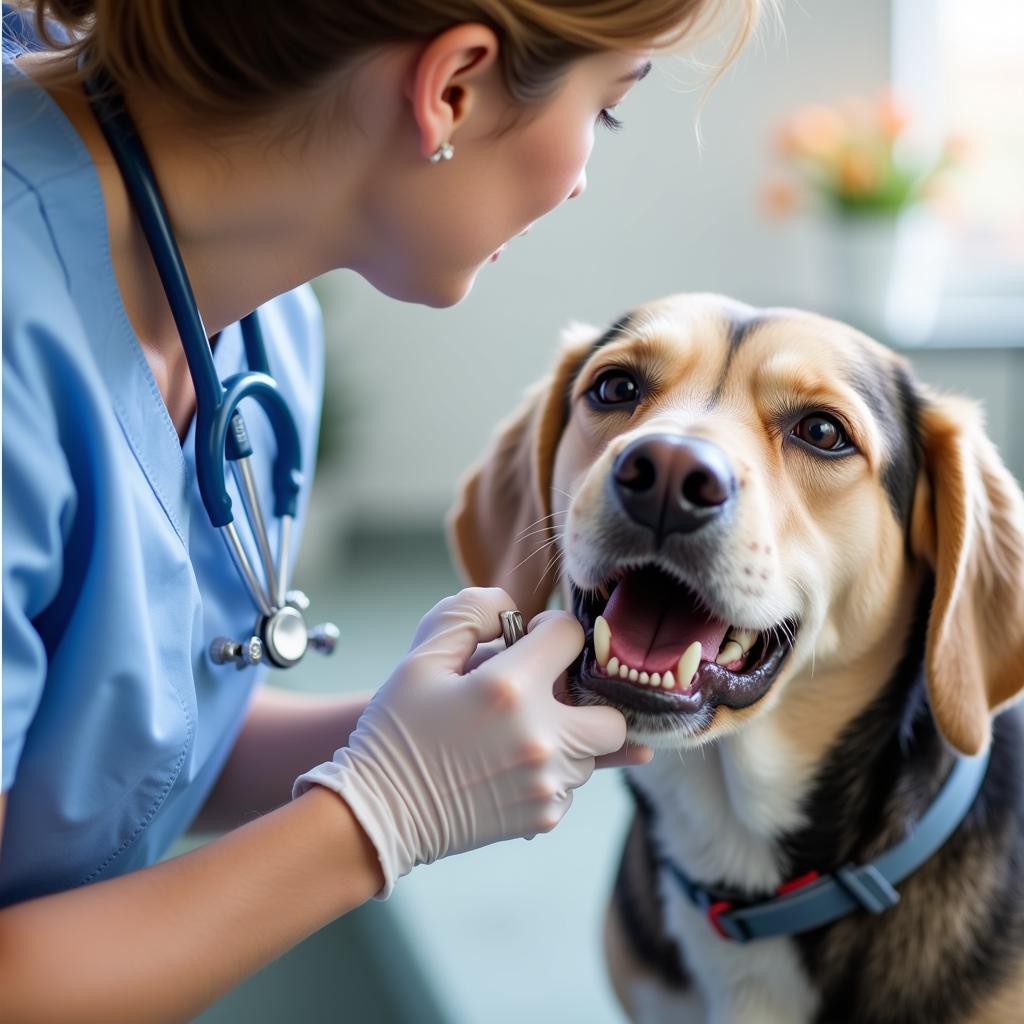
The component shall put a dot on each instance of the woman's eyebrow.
(637, 73)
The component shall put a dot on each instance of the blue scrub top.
(115, 721)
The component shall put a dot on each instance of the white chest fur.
(719, 811)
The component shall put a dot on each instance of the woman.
(407, 141)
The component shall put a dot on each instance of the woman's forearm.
(163, 943)
(285, 734)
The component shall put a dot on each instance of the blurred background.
(866, 161)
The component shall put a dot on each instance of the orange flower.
(893, 115)
(856, 114)
(939, 194)
(815, 132)
(858, 172)
(779, 199)
(959, 148)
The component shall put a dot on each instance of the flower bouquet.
(883, 252)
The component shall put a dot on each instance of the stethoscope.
(280, 636)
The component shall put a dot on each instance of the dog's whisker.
(532, 554)
(571, 497)
(542, 529)
(552, 563)
(537, 522)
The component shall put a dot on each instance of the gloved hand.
(441, 762)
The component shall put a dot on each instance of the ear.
(441, 86)
(500, 525)
(968, 524)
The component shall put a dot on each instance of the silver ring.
(512, 628)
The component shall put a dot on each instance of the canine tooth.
(731, 651)
(744, 637)
(602, 640)
(668, 681)
(612, 668)
(633, 675)
(645, 677)
(689, 663)
(623, 671)
(655, 679)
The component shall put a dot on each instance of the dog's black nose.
(672, 484)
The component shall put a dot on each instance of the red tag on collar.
(797, 883)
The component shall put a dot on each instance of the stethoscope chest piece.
(282, 638)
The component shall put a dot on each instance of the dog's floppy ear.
(498, 528)
(968, 523)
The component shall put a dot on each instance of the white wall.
(423, 388)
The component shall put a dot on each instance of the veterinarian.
(272, 142)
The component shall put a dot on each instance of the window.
(959, 64)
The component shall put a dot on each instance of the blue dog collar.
(814, 900)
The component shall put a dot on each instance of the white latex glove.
(441, 762)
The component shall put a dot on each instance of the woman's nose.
(581, 184)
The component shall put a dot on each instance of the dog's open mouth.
(653, 646)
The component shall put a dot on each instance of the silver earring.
(443, 152)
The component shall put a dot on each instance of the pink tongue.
(653, 620)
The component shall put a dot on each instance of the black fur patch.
(639, 905)
(740, 328)
(889, 393)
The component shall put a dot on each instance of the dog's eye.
(615, 388)
(821, 431)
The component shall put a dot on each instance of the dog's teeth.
(668, 681)
(689, 663)
(655, 679)
(623, 671)
(612, 668)
(744, 637)
(633, 675)
(645, 677)
(731, 651)
(602, 640)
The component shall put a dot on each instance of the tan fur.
(971, 534)
(505, 498)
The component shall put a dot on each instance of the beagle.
(801, 576)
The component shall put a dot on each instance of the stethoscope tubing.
(220, 433)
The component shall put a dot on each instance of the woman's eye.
(615, 388)
(822, 431)
(609, 120)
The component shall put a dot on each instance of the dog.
(801, 576)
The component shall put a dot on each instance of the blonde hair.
(232, 60)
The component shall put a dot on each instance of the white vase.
(859, 258)
(885, 273)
